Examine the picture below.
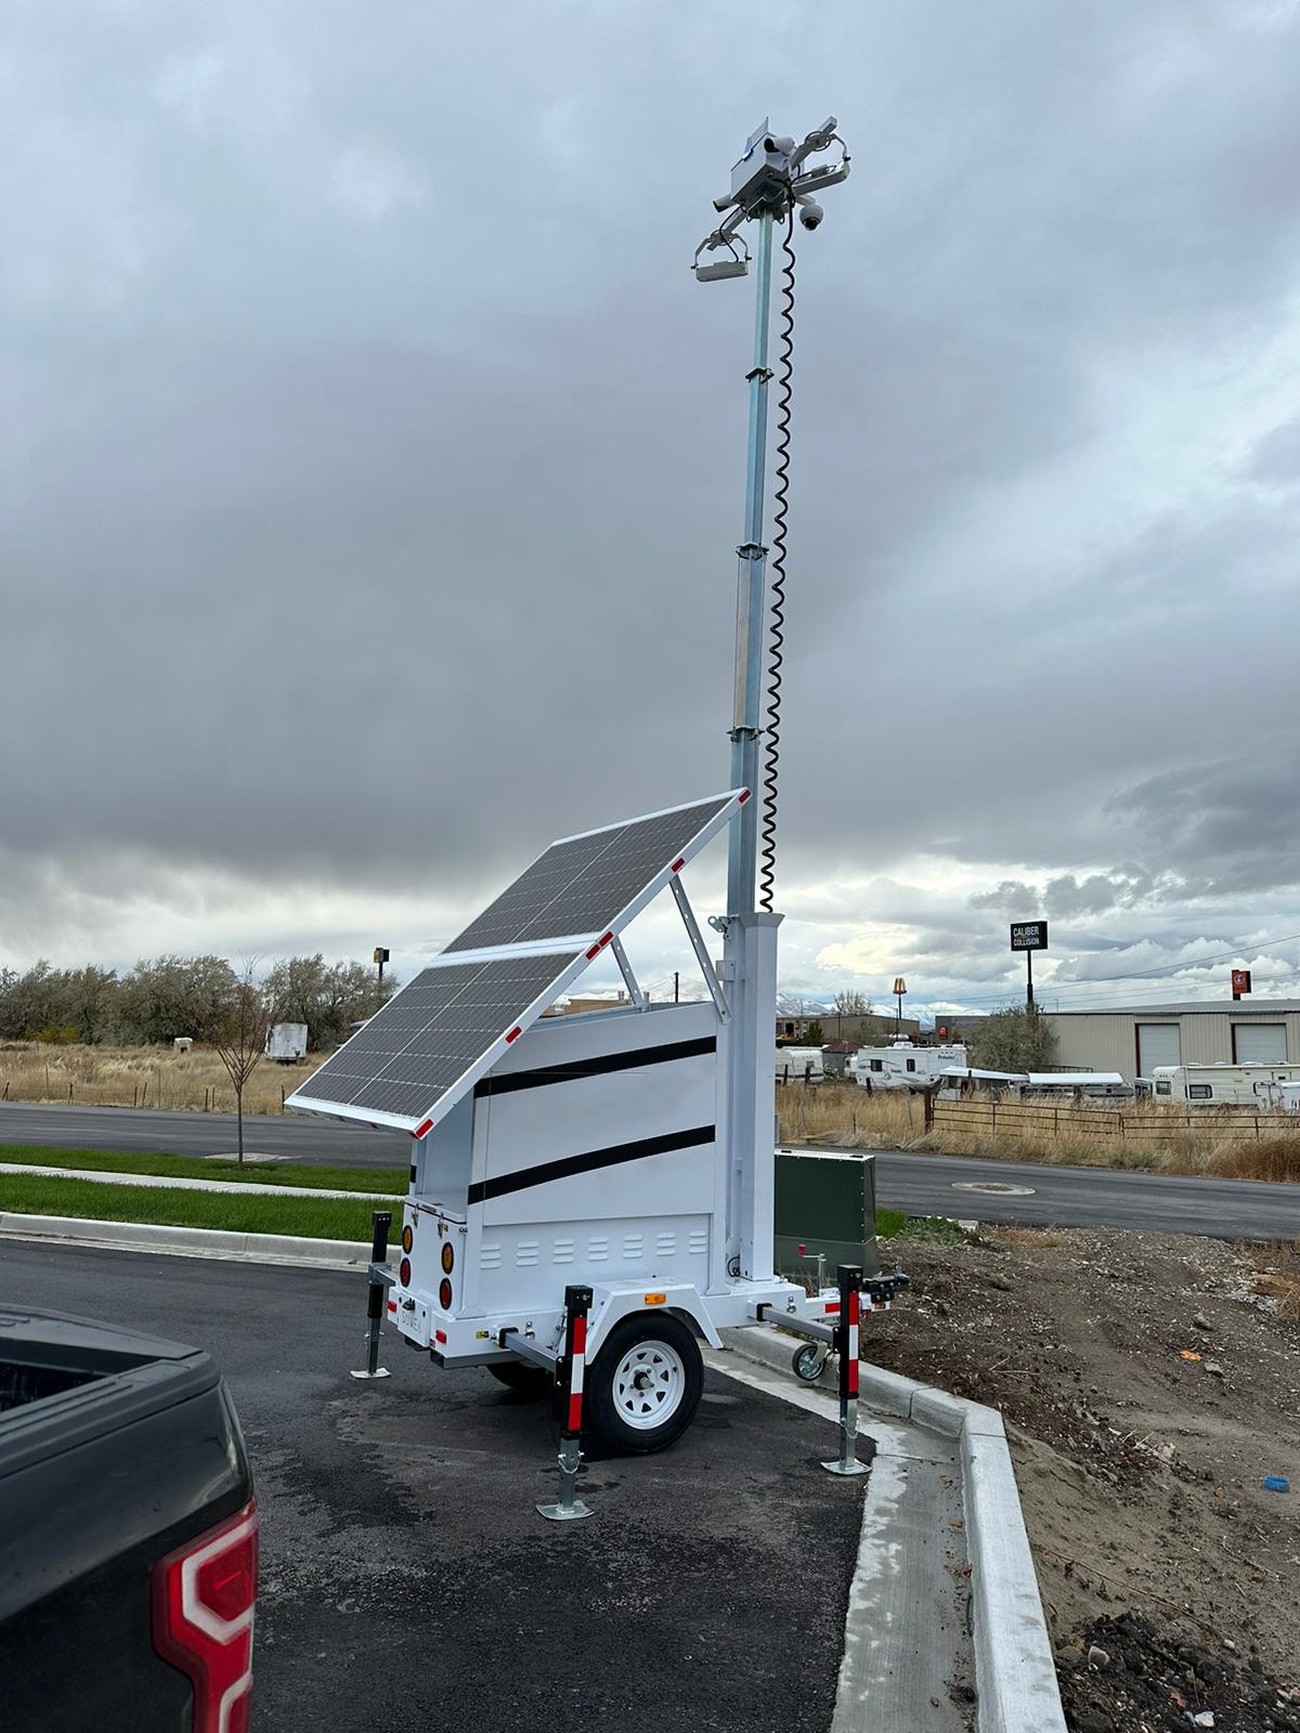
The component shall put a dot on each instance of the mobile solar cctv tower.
(591, 1195)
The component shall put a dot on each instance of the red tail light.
(204, 1595)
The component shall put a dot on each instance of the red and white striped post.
(849, 1280)
(572, 1375)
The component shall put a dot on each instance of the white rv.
(799, 1065)
(902, 1066)
(1220, 1085)
(1075, 1086)
(966, 1080)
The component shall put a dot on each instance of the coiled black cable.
(776, 567)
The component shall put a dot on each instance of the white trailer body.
(799, 1065)
(1076, 1086)
(1220, 1085)
(645, 1221)
(1280, 1097)
(629, 1152)
(964, 1080)
(903, 1066)
(287, 1043)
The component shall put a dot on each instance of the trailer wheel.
(645, 1384)
(808, 1362)
(532, 1381)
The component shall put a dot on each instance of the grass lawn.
(312, 1217)
(892, 1224)
(285, 1173)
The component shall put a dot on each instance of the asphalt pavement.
(1029, 1193)
(407, 1580)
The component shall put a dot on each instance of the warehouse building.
(1133, 1042)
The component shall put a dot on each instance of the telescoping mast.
(592, 1195)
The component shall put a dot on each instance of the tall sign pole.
(1029, 936)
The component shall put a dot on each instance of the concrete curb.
(188, 1242)
(1015, 1675)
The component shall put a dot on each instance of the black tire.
(530, 1381)
(808, 1362)
(643, 1388)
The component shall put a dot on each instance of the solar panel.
(580, 884)
(415, 1049)
(418, 1055)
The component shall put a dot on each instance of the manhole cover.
(993, 1186)
(249, 1155)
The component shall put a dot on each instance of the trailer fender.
(681, 1300)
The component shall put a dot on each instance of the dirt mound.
(1151, 1385)
(1126, 1675)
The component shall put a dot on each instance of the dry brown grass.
(844, 1115)
(1275, 1158)
(1041, 1238)
(1157, 1138)
(1277, 1277)
(140, 1077)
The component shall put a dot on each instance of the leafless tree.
(240, 1024)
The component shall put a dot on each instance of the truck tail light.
(204, 1595)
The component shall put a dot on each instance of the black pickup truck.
(128, 1534)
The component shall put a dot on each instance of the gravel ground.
(1149, 1383)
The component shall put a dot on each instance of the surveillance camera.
(810, 213)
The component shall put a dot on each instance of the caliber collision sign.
(1029, 935)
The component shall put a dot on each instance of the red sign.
(1240, 982)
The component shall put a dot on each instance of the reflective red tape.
(514, 1034)
(422, 1130)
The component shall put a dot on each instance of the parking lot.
(406, 1576)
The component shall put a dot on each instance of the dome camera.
(810, 213)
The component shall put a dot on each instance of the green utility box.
(825, 1202)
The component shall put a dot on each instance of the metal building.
(1202, 1032)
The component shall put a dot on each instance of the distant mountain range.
(823, 1005)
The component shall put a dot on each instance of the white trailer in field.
(903, 1066)
(287, 1043)
(800, 1065)
(1220, 1085)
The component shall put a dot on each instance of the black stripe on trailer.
(591, 1162)
(598, 1066)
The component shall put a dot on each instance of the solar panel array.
(436, 1036)
(412, 1052)
(580, 885)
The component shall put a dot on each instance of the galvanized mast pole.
(767, 184)
(751, 601)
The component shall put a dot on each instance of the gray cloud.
(374, 462)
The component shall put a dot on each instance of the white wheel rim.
(649, 1383)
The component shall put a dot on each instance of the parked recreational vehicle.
(1221, 1085)
(1075, 1086)
(1281, 1097)
(799, 1065)
(902, 1066)
(963, 1080)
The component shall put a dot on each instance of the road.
(1019, 1192)
(407, 1580)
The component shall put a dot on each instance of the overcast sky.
(373, 465)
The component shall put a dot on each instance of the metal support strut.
(572, 1370)
(380, 1277)
(849, 1280)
